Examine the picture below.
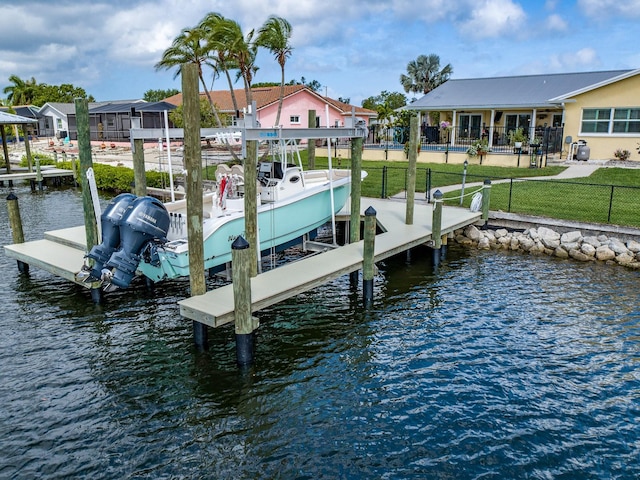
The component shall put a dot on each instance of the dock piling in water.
(436, 227)
(245, 324)
(368, 255)
(15, 222)
(486, 194)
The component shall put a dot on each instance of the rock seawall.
(545, 241)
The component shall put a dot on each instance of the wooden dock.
(46, 172)
(216, 307)
(61, 252)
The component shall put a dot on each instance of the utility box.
(583, 151)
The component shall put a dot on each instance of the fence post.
(486, 193)
(383, 194)
(510, 192)
(610, 205)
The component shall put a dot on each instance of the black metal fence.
(547, 140)
(568, 200)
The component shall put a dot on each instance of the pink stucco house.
(298, 101)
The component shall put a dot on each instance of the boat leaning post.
(245, 324)
(368, 255)
(436, 227)
(15, 222)
(486, 193)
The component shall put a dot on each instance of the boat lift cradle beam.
(253, 133)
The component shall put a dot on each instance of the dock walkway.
(45, 172)
(62, 252)
(216, 307)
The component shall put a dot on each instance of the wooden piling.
(311, 143)
(27, 148)
(193, 186)
(38, 174)
(251, 204)
(86, 162)
(486, 194)
(245, 324)
(436, 226)
(368, 255)
(5, 148)
(356, 190)
(411, 171)
(15, 222)
(139, 177)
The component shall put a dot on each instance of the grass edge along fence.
(564, 199)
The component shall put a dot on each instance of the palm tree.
(188, 47)
(424, 74)
(238, 49)
(21, 92)
(211, 25)
(274, 35)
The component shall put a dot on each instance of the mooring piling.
(15, 222)
(245, 324)
(486, 194)
(411, 171)
(436, 227)
(368, 266)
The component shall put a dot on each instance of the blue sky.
(355, 49)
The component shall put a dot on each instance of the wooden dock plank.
(75, 237)
(216, 307)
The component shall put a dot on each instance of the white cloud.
(578, 60)
(608, 8)
(556, 23)
(492, 18)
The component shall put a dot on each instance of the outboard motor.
(145, 219)
(110, 222)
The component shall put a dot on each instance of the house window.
(469, 126)
(59, 123)
(513, 122)
(294, 119)
(611, 120)
(626, 120)
(596, 120)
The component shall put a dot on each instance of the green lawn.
(610, 195)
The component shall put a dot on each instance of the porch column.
(454, 125)
(491, 127)
(532, 126)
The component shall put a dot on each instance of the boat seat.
(237, 170)
(222, 169)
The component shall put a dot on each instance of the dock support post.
(356, 189)
(139, 178)
(251, 203)
(436, 227)
(38, 174)
(245, 324)
(193, 187)
(15, 222)
(86, 162)
(486, 194)
(411, 171)
(5, 148)
(311, 143)
(27, 147)
(368, 255)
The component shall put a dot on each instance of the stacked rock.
(543, 240)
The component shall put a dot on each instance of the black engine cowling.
(145, 219)
(110, 221)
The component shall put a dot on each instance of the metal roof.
(138, 106)
(11, 119)
(510, 92)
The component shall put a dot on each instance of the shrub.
(622, 155)
(42, 158)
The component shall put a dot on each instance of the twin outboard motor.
(110, 221)
(144, 220)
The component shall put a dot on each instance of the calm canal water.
(497, 366)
